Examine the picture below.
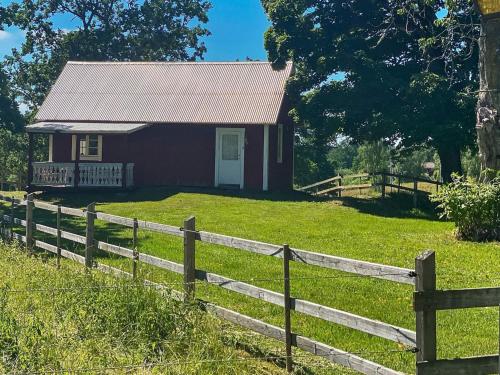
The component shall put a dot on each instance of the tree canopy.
(379, 69)
(105, 30)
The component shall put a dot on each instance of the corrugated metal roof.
(165, 92)
(85, 127)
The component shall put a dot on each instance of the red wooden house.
(159, 124)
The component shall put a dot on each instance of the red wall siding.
(185, 155)
(281, 174)
(61, 148)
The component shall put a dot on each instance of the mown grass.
(72, 321)
(367, 228)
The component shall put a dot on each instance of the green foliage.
(373, 157)
(471, 164)
(13, 151)
(473, 206)
(106, 30)
(378, 69)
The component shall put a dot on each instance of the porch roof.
(84, 127)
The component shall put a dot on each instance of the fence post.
(58, 220)
(415, 191)
(383, 185)
(399, 184)
(287, 305)
(340, 186)
(189, 258)
(11, 221)
(136, 253)
(29, 223)
(425, 268)
(89, 236)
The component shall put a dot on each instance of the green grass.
(365, 228)
(69, 321)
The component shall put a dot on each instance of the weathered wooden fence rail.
(384, 180)
(427, 298)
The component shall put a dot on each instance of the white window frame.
(86, 137)
(279, 146)
(241, 133)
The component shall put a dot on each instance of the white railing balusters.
(53, 174)
(90, 174)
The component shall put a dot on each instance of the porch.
(84, 175)
(75, 156)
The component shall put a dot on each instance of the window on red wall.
(279, 157)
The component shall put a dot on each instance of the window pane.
(230, 147)
(83, 147)
(93, 151)
(93, 141)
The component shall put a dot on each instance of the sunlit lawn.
(366, 228)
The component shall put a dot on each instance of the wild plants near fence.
(422, 342)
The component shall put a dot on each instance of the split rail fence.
(337, 184)
(427, 300)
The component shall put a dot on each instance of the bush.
(473, 206)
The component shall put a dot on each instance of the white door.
(229, 157)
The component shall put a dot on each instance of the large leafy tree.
(104, 30)
(378, 69)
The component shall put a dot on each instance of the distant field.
(366, 228)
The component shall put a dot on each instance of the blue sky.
(237, 28)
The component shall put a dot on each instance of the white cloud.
(4, 35)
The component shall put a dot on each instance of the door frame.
(241, 133)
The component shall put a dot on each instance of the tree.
(10, 117)
(105, 30)
(392, 83)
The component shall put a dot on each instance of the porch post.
(30, 161)
(77, 160)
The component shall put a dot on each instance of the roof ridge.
(170, 62)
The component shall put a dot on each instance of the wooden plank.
(288, 307)
(391, 273)
(328, 180)
(425, 267)
(29, 224)
(464, 366)
(73, 237)
(118, 250)
(58, 235)
(189, 258)
(457, 299)
(354, 187)
(372, 327)
(314, 347)
(73, 211)
(45, 206)
(89, 236)
(160, 228)
(161, 263)
(18, 237)
(115, 219)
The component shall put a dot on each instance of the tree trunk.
(488, 126)
(450, 162)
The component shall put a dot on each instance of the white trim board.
(265, 160)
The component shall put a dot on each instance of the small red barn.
(158, 124)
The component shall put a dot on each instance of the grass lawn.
(388, 232)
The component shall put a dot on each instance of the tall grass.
(69, 320)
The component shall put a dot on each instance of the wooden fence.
(427, 299)
(336, 185)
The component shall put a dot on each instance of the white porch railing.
(90, 174)
(53, 174)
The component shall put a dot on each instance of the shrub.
(473, 206)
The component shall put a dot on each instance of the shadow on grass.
(83, 198)
(394, 205)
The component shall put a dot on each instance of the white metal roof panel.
(84, 127)
(165, 92)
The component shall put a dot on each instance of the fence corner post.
(29, 223)
(11, 221)
(89, 236)
(136, 253)
(425, 268)
(288, 307)
(189, 258)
